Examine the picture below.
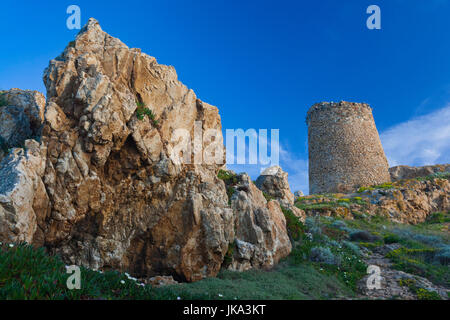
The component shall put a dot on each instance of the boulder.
(274, 183)
(260, 228)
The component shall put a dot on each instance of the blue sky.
(264, 63)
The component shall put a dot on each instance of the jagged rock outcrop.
(411, 201)
(274, 183)
(407, 172)
(260, 228)
(406, 201)
(118, 200)
(21, 117)
(105, 187)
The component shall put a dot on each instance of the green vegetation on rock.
(143, 111)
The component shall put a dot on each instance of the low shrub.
(323, 255)
(438, 217)
(362, 235)
(354, 248)
(391, 238)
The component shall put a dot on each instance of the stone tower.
(345, 150)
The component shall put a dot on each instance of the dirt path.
(390, 288)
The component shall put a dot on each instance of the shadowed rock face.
(21, 117)
(101, 188)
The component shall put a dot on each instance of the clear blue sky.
(264, 63)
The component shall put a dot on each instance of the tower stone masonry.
(345, 150)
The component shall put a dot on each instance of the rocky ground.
(394, 284)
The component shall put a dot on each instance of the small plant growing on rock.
(230, 180)
(294, 226)
(143, 111)
(228, 259)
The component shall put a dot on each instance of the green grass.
(284, 282)
(386, 185)
(421, 262)
(27, 273)
(421, 293)
(420, 244)
(438, 218)
(437, 175)
(320, 205)
(328, 202)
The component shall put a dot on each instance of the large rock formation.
(118, 200)
(260, 228)
(407, 172)
(111, 194)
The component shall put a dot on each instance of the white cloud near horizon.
(423, 140)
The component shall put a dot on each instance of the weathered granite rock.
(406, 201)
(21, 118)
(31, 102)
(407, 172)
(260, 228)
(118, 200)
(103, 189)
(23, 199)
(274, 182)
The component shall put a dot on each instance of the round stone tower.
(345, 150)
